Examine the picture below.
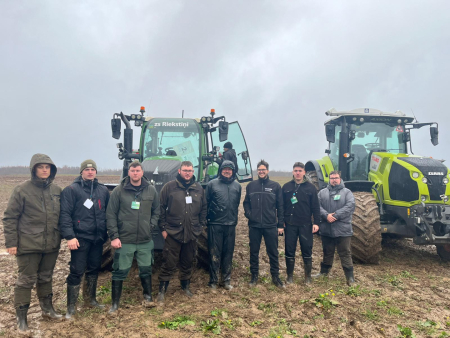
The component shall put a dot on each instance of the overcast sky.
(275, 66)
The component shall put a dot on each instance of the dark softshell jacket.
(132, 226)
(31, 217)
(76, 220)
(307, 203)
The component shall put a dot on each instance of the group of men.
(39, 213)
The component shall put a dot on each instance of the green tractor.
(166, 142)
(397, 194)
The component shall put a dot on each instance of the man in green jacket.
(132, 213)
(183, 216)
(31, 233)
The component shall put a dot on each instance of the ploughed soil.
(406, 294)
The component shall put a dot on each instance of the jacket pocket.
(31, 239)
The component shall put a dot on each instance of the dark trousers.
(175, 252)
(87, 258)
(34, 268)
(343, 245)
(221, 240)
(302, 233)
(271, 240)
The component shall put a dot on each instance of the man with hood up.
(223, 195)
(229, 154)
(83, 225)
(183, 216)
(337, 205)
(31, 233)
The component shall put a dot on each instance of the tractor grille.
(427, 166)
(401, 186)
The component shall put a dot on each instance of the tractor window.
(334, 148)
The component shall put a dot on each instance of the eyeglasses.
(334, 178)
(187, 171)
(262, 170)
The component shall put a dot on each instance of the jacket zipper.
(46, 219)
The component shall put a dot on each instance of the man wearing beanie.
(83, 225)
(229, 154)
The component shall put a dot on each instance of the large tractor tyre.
(312, 176)
(366, 241)
(202, 249)
(107, 256)
(444, 252)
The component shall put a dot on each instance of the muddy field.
(406, 295)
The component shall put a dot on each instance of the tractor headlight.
(424, 180)
(415, 174)
(445, 180)
(423, 198)
(203, 119)
(133, 117)
(399, 121)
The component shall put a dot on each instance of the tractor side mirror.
(223, 131)
(434, 132)
(244, 155)
(330, 132)
(406, 137)
(115, 127)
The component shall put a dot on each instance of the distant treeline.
(25, 170)
(275, 173)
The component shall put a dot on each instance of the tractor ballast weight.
(396, 193)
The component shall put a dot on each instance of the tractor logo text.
(435, 173)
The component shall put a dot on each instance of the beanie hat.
(228, 145)
(88, 164)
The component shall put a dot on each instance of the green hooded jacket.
(31, 218)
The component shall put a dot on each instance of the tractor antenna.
(182, 114)
(414, 115)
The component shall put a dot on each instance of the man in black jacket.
(83, 225)
(300, 203)
(229, 154)
(263, 206)
(224, 196)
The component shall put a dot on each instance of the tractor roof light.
(354, 119)
(133, 117)
(415, 174)
(424, 180)
(399, 121)
(208, 119)
(142, 110)
(361, 119)
(406, 121)
(445, 180)
(138, 117)
(203, 119)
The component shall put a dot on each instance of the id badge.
(337, 197)
(88, 203)
(294, 200)
(188, 199)
(135, 205)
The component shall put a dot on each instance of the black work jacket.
(307, 203)
(76, 220)
(263, 204)
(230, 155)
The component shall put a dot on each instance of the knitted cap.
(88, 164)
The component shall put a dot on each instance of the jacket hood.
(44, 159)
(227, 164)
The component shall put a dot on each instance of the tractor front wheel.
(444, 252)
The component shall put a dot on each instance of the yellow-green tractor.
(397, 194)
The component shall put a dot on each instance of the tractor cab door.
(236, 137)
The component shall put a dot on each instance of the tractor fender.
(315, 166)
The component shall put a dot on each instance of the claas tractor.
(397, 194)
(165, 142)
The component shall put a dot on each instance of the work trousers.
(221, 239)
(271, 240)
(123, 259)
(34, 268)
(302, 233)
(343, 245)
(87, 258)
(175, 252)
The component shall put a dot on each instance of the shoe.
(227, 286)
(185, 287)
(47, 307)
(308, 268)
(324, 271)
(213, 286)
(21, 315)
(116, 292)
(290, 263)
(147, 288)
(90, 292)
(253, 281)
(162, 291)
(277, 282)
(72, 297)
(349, 276)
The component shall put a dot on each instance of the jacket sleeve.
(68, 201)
(112, 212)
(204, 211)
(246, 204)
(163, 200)
(315, 206)
(322, 202)
(107, 196)
(208, 193)
(11, 218)
(239, 197)
(348, 208)
(156, 210)
(280, 208)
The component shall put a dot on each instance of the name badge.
(135, 205)
(88, 203)
(337, 197)
(294, 200)
(188, 199)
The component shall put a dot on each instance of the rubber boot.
(277, 282)
(90, 292)
(349, 276)
(185, 287)
(21, 315)
(290, 264)
(162, 291)
(47, 307)
(116, 292)
(308, 268)
(254, 280)
(147, 288)
(324, 270)
(72, 297)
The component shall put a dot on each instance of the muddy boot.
(116, 292)
(254, 280)
(290, 263)
(185, 287)
(147, 288)
(162, 291)
(21, 315)
(227, 285)
(90, 292)
(47, 307)
(324, 270)
(277, 282)
(349, 276)
(308, 268)
(72, 297)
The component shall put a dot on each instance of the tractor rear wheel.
(312, 176)
(444, 252)
(202, 249)
(107, 255)
(366, 241)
